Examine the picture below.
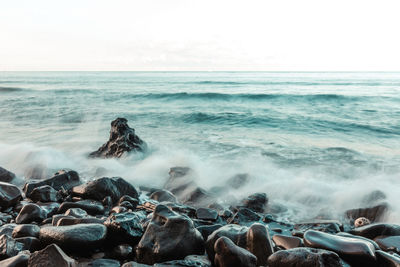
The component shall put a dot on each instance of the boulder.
(30, 243)
(304, 257)
(31, 213)
(259, 243)
(355, 251)
(6, 176)
(206, 230)
(227, 254)
(125, 227)
(169, 236)
(163, 196)
(52, 255)
(245, 216)
(256, 202)
(45, 193)
(76, 212)
(92, 207)
(287, 242)
(20, 260)
(389, 243)
(98, 189)
(122, 140)
(236, 233)
(9, 247)
(79, 237)
(387, 260)
(327, 226)
(9, 195)
(206, 214)
(72, 221)
(377, 229)
(24, 230)
(62, 180)
(374, 214)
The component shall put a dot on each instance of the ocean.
(316, 143)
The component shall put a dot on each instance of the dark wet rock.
(169, 236)
(236, 233)
(20, 260)
(196, 196)
(374, 214)
(354, 251)
(45, 193)
(256, 202)
(376, 246)
(7, 229)
(23, 230)
(52, 255)
(238, 181)
(9, 247)
(189, 261)
(206, 230)
(371, 231)
(9, 195)
(31, 213)
(104, 263)
(304, 257)
(122, 140)
(80, 237)
(387, 260)
(128, 199)
(62, 180)
(5, 218)
(227, 254)
(125, 227)
(58, 217)
(362, 221)
(259, 243)
(389, 243)
(163, 196)
(50, 208)
(287, 242)
(118, 209)
(72, 221)
(206, 214)
(182, 208)
(245, 216)
(92, 207)
(122, 252)
(76, 212)
(98, 189)
(30, 243)
(6, 176)
(327, 226)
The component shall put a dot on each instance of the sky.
(191, 35)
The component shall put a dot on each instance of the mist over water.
(316, 143)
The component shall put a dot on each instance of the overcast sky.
(300, 35)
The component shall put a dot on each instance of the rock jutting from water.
(122, 140)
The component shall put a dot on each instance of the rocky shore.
(65, 221)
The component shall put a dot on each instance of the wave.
(6, 89)
(300, 83)
(227, 97)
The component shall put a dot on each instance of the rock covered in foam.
(122, 140)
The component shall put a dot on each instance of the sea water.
(315, 143)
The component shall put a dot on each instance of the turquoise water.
(314, 142)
